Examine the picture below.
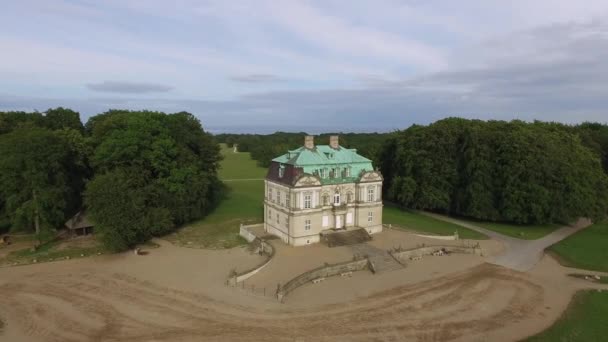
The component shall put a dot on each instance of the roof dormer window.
(281, 170)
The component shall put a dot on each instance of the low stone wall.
(246, 234)
(440, 237)
(321, 272)
(405, 255)
(263, 247)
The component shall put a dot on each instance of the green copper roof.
(322, 159)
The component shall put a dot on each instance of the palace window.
(278, 219)
(269, 214)
(337, 198)
(307, 202)
(347, 172)
(287, 200)
(307, 225)
(370, 217)
(286, 221)
(349, 197)
(325, 199)
(279, 196)
(322, 172)
(370, 194)
(270, 194)
(281, 171)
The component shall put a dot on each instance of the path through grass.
(524, 231)
(587, 249)
(415, 221)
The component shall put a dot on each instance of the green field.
(243, 204)
(415, 221)
(584, 320)
(587, 249)
(239, 166)
(525, 231)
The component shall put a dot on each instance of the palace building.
(321, 189)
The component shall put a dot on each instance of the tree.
(41, 174)
(160, 169)
(502, 171)
(63, 118)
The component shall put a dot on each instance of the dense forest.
(264, 148)
(139, 174)
(500, 171)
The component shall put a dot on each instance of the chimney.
(333, 142)
(309, 142)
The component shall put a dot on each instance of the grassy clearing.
(243, 204)
(415, 221)
(239, 166)
(584, 320)
(586, 249)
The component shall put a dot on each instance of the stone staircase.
(383, 262)
(345, 238)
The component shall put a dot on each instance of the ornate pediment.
(307, 180)
(371, 176)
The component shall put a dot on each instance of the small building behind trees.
(79, 225)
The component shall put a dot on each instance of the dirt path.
(177, 294)
(520, 255)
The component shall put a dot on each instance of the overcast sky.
(309, 65)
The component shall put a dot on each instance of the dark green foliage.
(62, 118)
(41, 177)
(499, 171)
(152, 172)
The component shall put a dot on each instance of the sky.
(315, 66)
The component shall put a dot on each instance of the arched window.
(337, 198)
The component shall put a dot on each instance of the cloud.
(256, 78)
(128, 87)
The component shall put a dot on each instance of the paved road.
(520, 255)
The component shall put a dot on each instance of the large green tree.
(165, 166)
(501, 171)
(41, 177)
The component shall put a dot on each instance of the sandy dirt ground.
(178, 294)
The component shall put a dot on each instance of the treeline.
(500, 171)
(138, 173)
(264, 148)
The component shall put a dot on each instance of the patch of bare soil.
(78, 242)
(89, 306)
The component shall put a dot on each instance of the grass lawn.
(526, 231)
(243, 204)
(584, 320)
(415, 221)
(586, 249)
(239, 165)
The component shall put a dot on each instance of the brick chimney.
(309, 142)
(333, 142)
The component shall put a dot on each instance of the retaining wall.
(321, 272)
(246, 234)
(267, 249)
(405, 255)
